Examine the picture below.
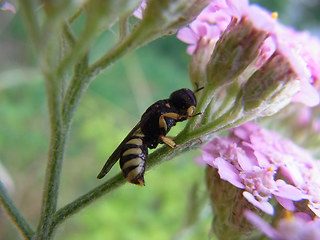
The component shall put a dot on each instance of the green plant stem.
(85, 74)
(61, 119)
(114, 54)
(205, 99)
(60, 122)
(226, 121)
(55, 155)
(207, 115)
(78, 84)
(75, 15)
(157, 157)
(79, 203)
(68, 34)
(28, 8)
(123, 28)
(14, 213)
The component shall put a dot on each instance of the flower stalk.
(15, 214)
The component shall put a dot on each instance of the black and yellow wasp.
(151, 130)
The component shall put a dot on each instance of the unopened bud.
(271, 87)
(198, 64)
(228, 205)
(237, 48)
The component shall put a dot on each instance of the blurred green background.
(112, 105)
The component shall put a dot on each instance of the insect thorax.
(150, 127)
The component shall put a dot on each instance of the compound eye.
(183, 99)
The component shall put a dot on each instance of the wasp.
(151, 130)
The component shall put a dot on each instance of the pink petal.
(259, 223)
(287, 191)
(238, 7)
(286, 203)
(6, 6)
(213, 32)
(293, 174)
(229, 173)
(263, 161)
(186, 35)
(308, 95)
(202, 29)
(245, 162)
(209, 159)
(263, 205)
(261, 18)
(304, 216)
(242, 133)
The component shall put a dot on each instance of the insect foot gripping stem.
(168, 141)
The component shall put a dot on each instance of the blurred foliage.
(111, 107)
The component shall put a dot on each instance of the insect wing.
(116, 154)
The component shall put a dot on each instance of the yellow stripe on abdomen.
(132, 162)
(135, 141)
(135, 151)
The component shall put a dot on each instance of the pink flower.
(305, 61)
(254, 159)
(199, 33)
(301, 49)
(6, 6)
(307, 46)
(295, 227)
(216, 18)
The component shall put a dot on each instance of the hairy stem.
(62, 109)
(157, 157)
(28, 8)
(14, 213)
(84, 200)
(55, 156)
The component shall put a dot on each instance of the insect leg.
(162, 121)
(168, 141)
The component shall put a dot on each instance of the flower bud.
(271, 87)
(238, 46)
(197, 68)
(228, 205)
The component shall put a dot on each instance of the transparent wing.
(116, 154)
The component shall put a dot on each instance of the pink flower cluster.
(301, 49)
(293, 227)
(215, 18)
(265, 165)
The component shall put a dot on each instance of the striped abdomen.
(133, 159)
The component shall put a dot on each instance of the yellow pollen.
(274, 15)
(288, 215)
(270, 169)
